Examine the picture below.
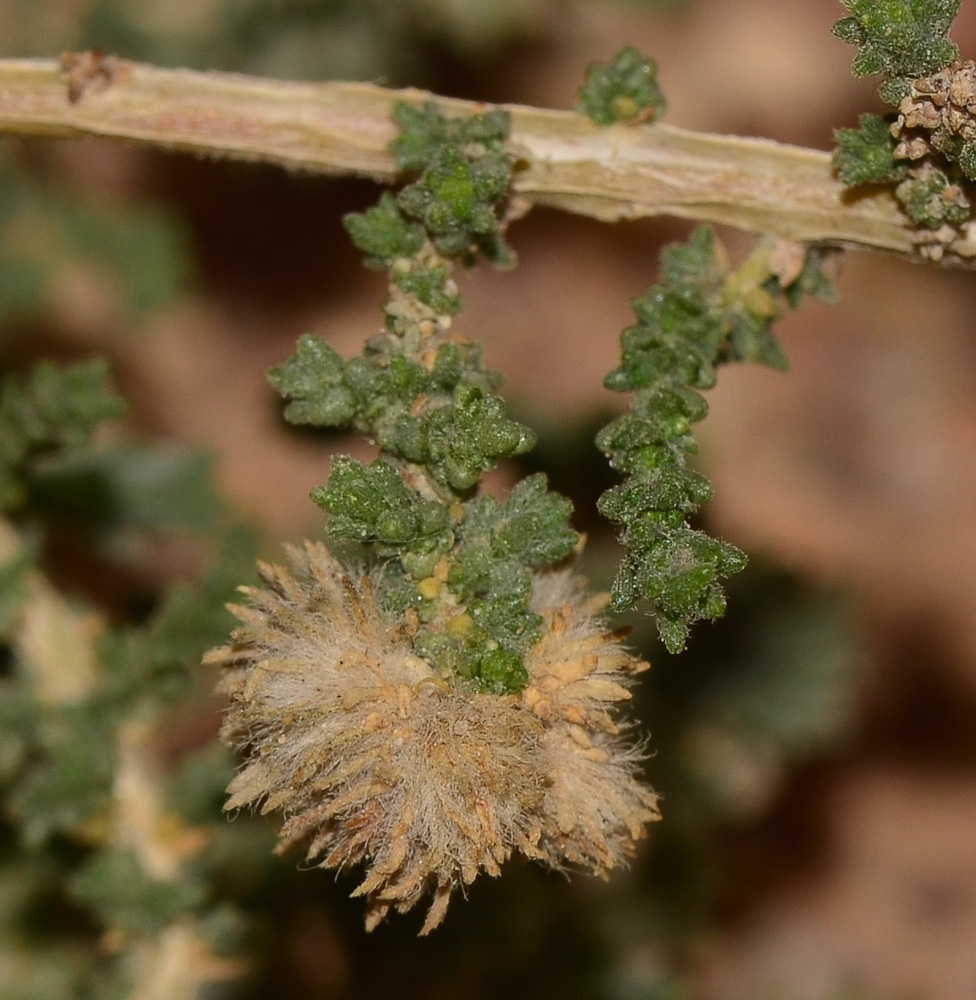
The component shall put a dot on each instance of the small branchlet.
(420, 391)
(927, 151)
(702, 314)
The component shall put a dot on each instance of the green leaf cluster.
(313, 381)
(499, 544)
(623, 90)
(455, 200)
(899, 38)
(698, 317)
(465, 173)
(865, 155)
(459, 441)
(50, 410)
(930, 200)
(373, 505)
(905, 40)
(445, 418)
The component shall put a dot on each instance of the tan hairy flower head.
(372, 759)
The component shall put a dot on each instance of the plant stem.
(565, 160)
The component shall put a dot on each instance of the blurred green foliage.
(48, 232)
(54, 409)
(60, 756)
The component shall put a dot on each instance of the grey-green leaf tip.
(313, 379)
(373, 504)
(625, 90)
(383, 233)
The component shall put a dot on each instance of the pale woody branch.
(620, 172)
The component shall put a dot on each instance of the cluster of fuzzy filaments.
(374, 760)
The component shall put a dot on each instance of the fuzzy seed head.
(374, 760)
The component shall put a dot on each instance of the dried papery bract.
(373, 759)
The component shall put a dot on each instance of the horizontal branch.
(616, 172)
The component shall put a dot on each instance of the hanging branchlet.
(420, 391)
(436, 692)
(435, 689)
(926, 151)
(701, 315)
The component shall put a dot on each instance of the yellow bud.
(460, 625)
(759, 302)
